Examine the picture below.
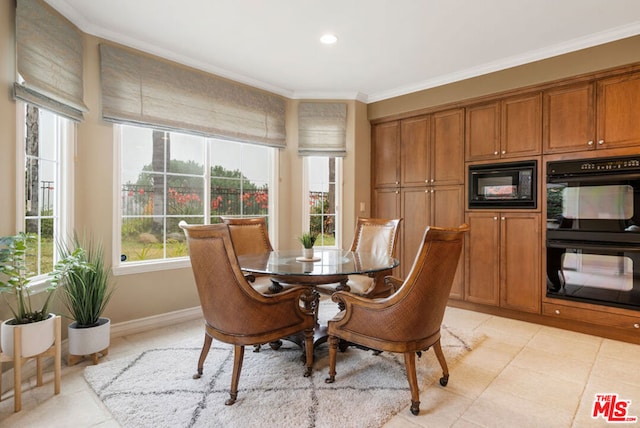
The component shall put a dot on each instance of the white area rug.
(156, 389)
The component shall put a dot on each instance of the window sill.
(143, 267)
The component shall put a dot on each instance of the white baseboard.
(141, 325)
(126, 328)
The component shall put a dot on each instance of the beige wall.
(601, 57)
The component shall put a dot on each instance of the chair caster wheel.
(444, 380)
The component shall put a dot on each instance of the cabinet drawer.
(606, 319)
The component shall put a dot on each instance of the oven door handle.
(592, 246)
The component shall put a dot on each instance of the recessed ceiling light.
(328, 39)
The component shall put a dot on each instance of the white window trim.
(65, 176)
(177, 262)
(305, 200)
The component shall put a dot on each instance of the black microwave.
(503, 185)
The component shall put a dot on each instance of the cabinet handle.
(495, 218)
(504, 151)
(502, 218)
(557, 311)
(397, 182)
(495, 153)
(432, 180)
(600, 142)
(590, 143)
(636, 325)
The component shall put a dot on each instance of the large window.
(167, 177)
(45, 142)
(323, 199)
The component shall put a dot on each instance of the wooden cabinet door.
(520, 254)
(386, 154)
(569, 118)
(414, 150)
(618, 111)
(416, 214)
(482, 132)
(386, 203)
(447, 148)
(482, 268)
(521, 130)
(447, 210)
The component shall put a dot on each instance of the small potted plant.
(15, 279)
(307, 240)
(85, 295)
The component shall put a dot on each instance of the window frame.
(306, 214)
(175, 262)
(64, 176)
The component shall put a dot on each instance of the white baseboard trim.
(141, 325)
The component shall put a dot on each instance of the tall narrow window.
(45, 143)
(323, 195)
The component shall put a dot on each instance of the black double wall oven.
(593, 231)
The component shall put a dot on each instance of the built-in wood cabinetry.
(506, 128)
(418, 173)
(426, 184)
(386, 161)
(601, 114)
(432, 206)
(504, 260)
(618, 111)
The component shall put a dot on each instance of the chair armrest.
(393, 282)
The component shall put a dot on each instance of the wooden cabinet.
(435, 206)
(507, 128)
(618, 107)
(431, 149)
(447, 148)
(569, 118)
(418, 174)
(386, 154)
(592, 115)
(386, 203)
(503, 260)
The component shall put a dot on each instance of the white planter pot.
(307, 253)
(37, 337)
(89, 340)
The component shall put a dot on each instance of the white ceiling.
(385, 48)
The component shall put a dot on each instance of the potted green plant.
(85, 294)
(307, 240)
(15, 280)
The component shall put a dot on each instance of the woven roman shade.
(142, 89)
(49, 60)
(322, 129)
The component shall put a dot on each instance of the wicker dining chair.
(234, 312)
(250, 236)
(377, 236)
(409, 320)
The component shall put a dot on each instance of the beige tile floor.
(521, 375)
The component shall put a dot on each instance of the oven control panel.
(621, 164)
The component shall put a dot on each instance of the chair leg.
(238, 356)
(203, 355)
(443, 363)
(308, 347)
(410, 364)
(333, 350)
